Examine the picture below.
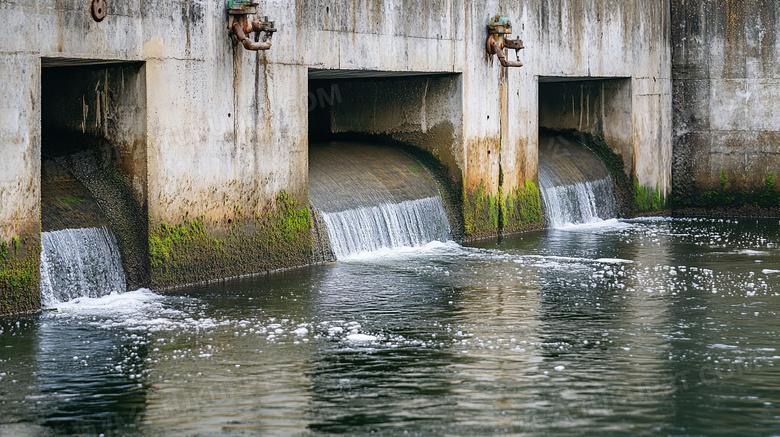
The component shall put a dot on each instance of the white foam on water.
(653, 219)
(112, 304)
(361, 338)
(751, 252)
(579, 260)
(405, 252)
(595, 224)
(614, 261)
(141, 310)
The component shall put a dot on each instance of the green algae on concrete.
(648, 198)
(731, 196)
(523, 209)
(480, 213)
(191, 251)
(486, 215)
(20, 265)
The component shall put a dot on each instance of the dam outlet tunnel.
(384, 160)
(93, 178)
(585, 148)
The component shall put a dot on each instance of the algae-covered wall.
(726, 106)
(19, 177)
(20, 259)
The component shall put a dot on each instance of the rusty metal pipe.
(499, 51)
(498, 46)
(262, 26)
(241, 27)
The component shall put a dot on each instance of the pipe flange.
(98, 10)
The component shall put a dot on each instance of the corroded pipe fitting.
(498, 49)
(240, 34)
(242, 28)
(498, 42)
(266, 27)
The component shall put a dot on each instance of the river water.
(638, 327)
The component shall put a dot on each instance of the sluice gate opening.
(93, 178)
(575, 185)
(369, 189)
(372, 197)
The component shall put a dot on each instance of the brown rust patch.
(482, 159)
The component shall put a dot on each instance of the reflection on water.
(644, 327)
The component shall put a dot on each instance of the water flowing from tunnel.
(411, 223)
(575, 185)
(80, 263)
(372, 198)
(579, 203)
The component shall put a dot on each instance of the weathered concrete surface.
(223, 133)
(726, 99)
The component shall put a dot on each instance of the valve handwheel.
(98, 10)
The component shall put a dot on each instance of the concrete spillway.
(576, 188)
(372, 197)
(79, 253)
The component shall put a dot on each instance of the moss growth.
(19, 277)
(523, 209)
(414, 169)
(480, 213)
(70, 200)
(648, 198)
(769, 198)
(189, 252)
(731, 197)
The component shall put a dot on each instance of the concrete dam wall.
(209, 142)
(726, 106)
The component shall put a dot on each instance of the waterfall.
(575, 185)
(80, 263)
(582, 202)
(372, 198)
(410, 223)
